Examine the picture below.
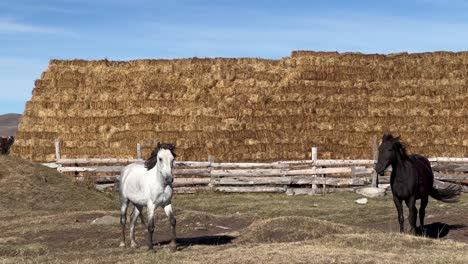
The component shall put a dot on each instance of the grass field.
(216, 228)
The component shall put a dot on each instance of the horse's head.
(389, 150)
(163, 157)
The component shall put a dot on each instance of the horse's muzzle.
(380, 170)
(169, 180)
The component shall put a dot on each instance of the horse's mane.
(153, 159)
(401, 147)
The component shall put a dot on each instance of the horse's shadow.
(437, 229)
(184, 242)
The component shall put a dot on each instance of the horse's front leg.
(401, 218)
(136, 212)
(422, 213)
(172, 220)
(123, 218)
(150, 208)
(413, 212)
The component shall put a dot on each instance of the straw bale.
(249, 109)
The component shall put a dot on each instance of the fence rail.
(292, 177)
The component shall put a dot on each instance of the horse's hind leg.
(172, 220)
(150, 208)
(422, 212)
(401, 218)
(142, 218)
(123, 218)
(136, 212)
(413, 212)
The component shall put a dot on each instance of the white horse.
(148, 184)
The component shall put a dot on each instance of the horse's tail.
(447, 195)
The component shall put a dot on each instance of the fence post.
(57, 150)
(314, 159)
(375, 179)
(210, 160)
(138, 151)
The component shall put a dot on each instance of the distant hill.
(9, 124)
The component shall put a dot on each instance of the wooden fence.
(291, 177)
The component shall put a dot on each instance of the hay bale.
(249, 109)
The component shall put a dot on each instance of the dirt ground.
(240, 228)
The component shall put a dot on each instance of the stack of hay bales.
(249, 109)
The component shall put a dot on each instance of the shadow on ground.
(438, 229)
(184, 242)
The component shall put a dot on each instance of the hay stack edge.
(249, 109)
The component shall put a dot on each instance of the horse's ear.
(386, 137)
(172, 148)
(158, 145)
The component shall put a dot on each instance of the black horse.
(411, 179)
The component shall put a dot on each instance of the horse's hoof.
(122, 244)
(151, 249)
(133, 244)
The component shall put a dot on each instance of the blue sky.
(33, 32)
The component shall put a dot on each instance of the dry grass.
(249, 109)
(63, 241)
(212, 227)
(28, 186)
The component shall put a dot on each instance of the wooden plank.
(252, 181)
(312, 191)
(298, 180)
(192, 164)
(191, 181)
(447, 159)
(302, 180)
(247, 165)
(285, 172)
(189, 190)
(51, 165)
(257, 189)
(451, 168)
(328, 162)
(57, 150)
(127, 161)
(450, 177)
(357, 171)
(343, 162)
(96, 161)
(177, 181)
(242, 172)
(375, 154)
(442, 185)
(91, 169)
(320, 171)
(138, 151)
(295, 162)
(193, 172)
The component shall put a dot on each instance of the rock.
(223, 227)
(104, 187)
(106, 220)
(361, 201)
(371, 192)
(385, 186)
